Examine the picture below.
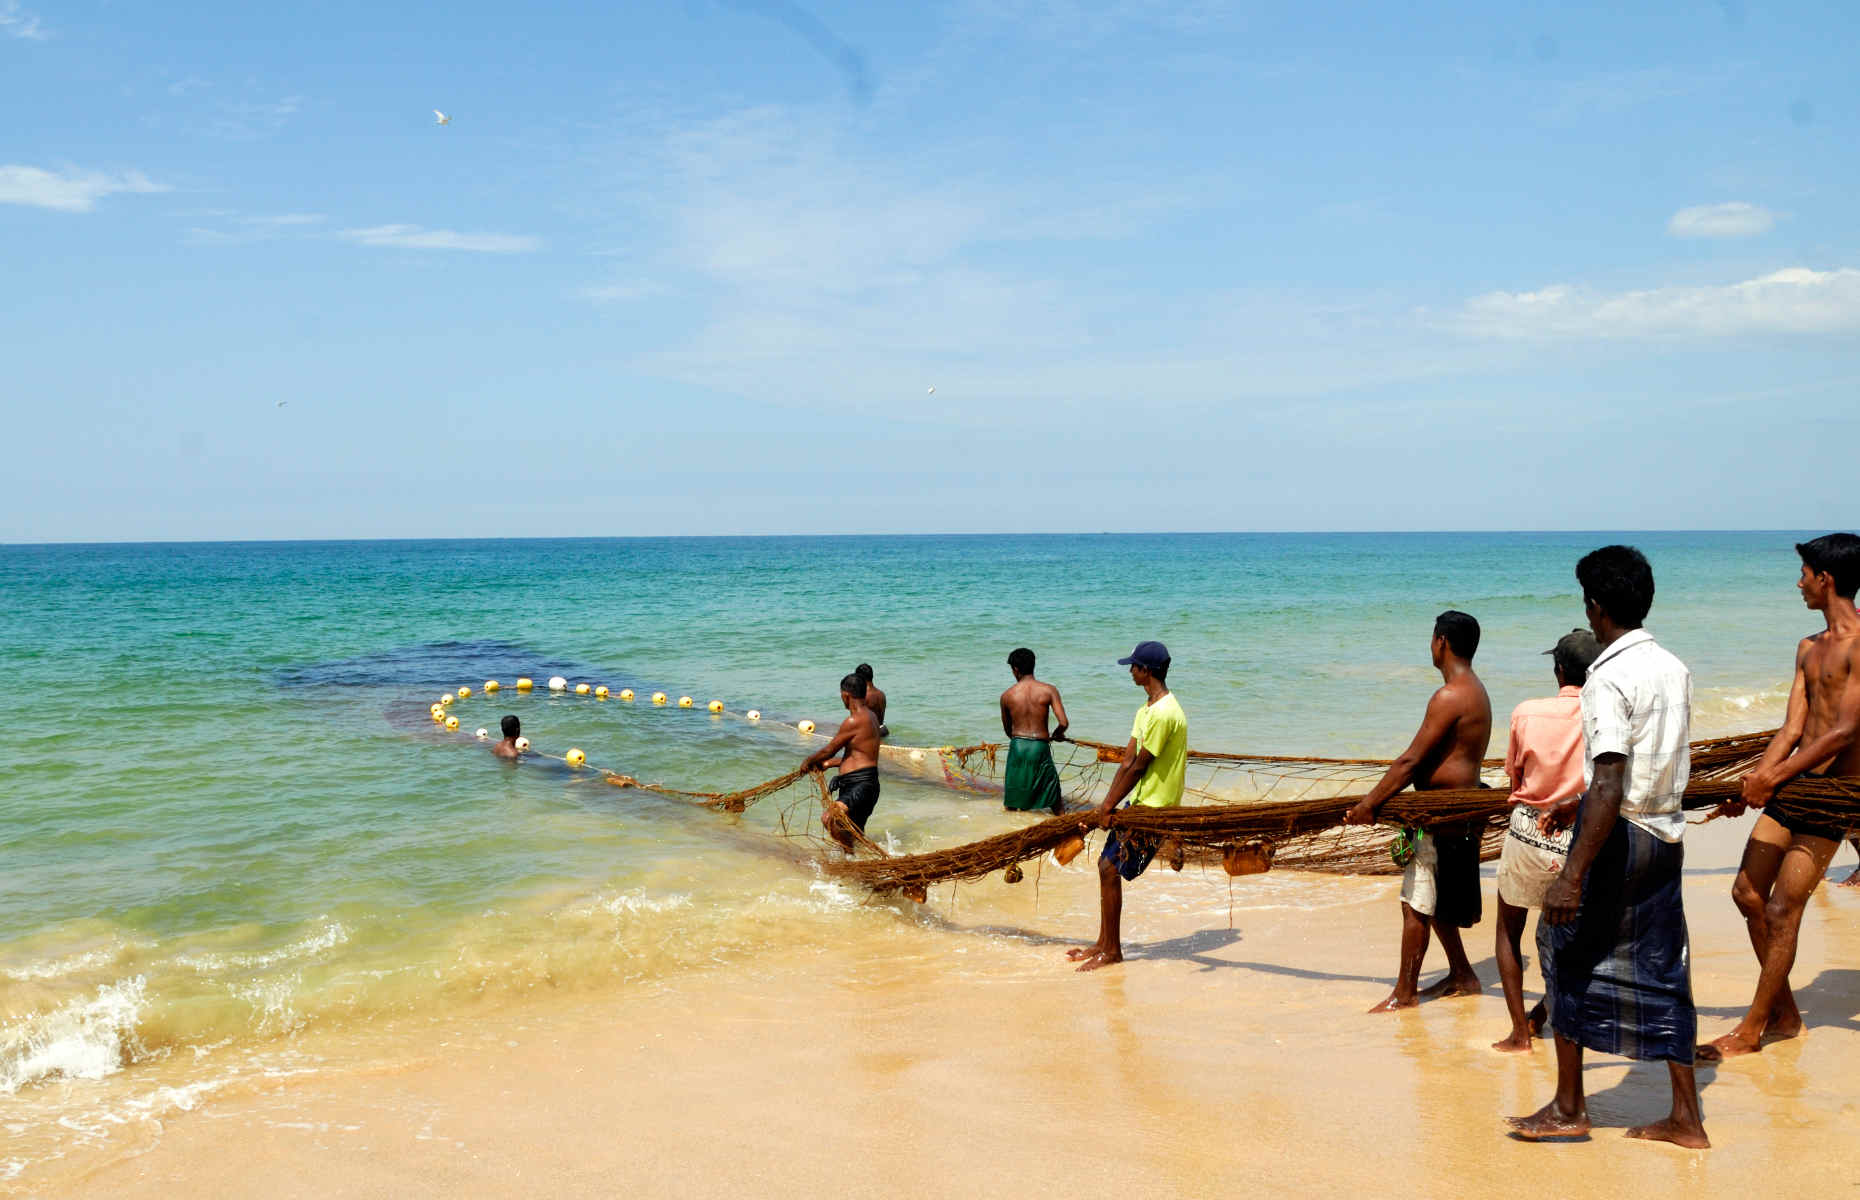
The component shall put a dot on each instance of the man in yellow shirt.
(1154, 768)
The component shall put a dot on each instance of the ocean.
(234, 842)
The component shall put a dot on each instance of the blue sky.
(694, 267)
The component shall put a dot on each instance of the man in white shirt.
(1617, 964)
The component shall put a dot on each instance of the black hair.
(1159, 674)
(864, 671)
(511, 726)
(1836, 554)
(1620, 582)
(854, 685)
(1574, 671)
(1021, 660)
(1461, 632)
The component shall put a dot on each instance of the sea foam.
(86, 1038)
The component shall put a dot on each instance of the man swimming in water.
(856, 743)
(508, 747)
(1788, 851)
(874, 698)
(1031, 780)
(1440, 890)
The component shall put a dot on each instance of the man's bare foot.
(1692, 1137)
(1551, 1122)
(1394, 1002)
(1091, 951)
(1103, 958)
(1782, 1028)
(1453, 985)
(1518, 1043)
(1731, 1045)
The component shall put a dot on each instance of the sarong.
(858, 791)
(1032, 782)
(1619, 976)
(1531, 859)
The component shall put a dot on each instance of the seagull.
(282, 403)
(441, 118)
(932, 391)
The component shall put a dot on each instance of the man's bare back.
(860, 729)
(1025, 708)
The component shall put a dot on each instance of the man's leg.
(1684, 1126)
(1756, 877)
(1773, 1012)
(1508, 950)
(1461, 979)
(1414, 937)
(1110, 946)
(1567, 1115)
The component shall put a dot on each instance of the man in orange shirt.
(1544, 761)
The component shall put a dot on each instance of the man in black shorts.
(856, 743)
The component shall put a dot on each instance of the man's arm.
(1059, 717)
(1601, 808)
(1443, 712)
(1007, 717)
(1137, 760)
(1762, 783)
(840, 741)
(1753, 790)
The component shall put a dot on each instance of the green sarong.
(1031, 780)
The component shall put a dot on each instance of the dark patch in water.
(443, 665)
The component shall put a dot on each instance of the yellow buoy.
(600, 693)
(574, 758)
(525, 684)
(436, 708)
(685, 702)
(582, 689)
(715, 706)
(439, 715)
(447, 698)
(806, 727)
(658, 697)
(491, 685)
(452, 722)
(754, 714)
(464, 691)
(522, 744)
(626, 693)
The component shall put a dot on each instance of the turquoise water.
(227, 819)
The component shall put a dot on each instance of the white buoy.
(558, 684)
(522, 744)
(754, 714)
(483, 735)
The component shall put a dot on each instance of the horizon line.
(685, 537)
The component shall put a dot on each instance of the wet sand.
(955, 1053)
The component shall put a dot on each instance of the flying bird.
(932, 391)
(441, 118)
(282, 403)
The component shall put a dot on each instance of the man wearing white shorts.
(1544, 761)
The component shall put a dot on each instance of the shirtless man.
(856, 744)
(874, 698)
(1440, 890)
(1788, 853)
(513, 729)
(1031, 780)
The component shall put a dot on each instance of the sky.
(695, 267)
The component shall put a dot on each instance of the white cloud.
(1736, 219)
(1793, 301)
(17, 22)
(72, 191)
(413, 237)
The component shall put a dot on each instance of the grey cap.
(1577, 648)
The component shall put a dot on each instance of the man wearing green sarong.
(1031, 780)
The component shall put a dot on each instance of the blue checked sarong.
(1619, 977)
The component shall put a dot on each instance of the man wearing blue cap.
(1154, 767)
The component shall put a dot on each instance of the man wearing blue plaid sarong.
(1617, 966)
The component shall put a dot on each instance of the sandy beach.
(964, 1058)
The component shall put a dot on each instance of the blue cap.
(1148, 655)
